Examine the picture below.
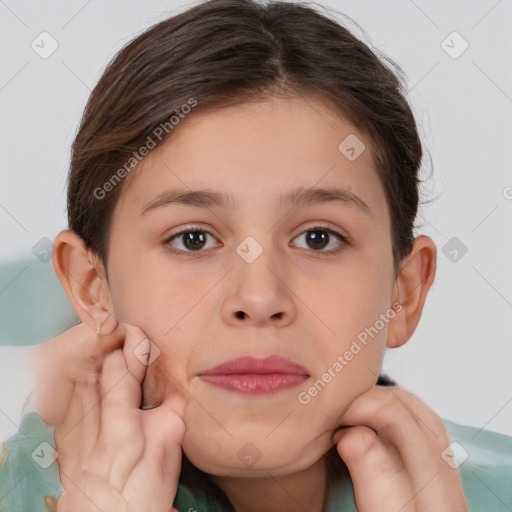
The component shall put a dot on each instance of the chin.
(252, 459)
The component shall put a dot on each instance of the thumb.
(138, 351)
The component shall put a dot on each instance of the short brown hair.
(226, 52)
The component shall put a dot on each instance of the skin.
(299, 302)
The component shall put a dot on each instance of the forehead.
(258, 151)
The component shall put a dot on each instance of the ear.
(413, 282)
(83, 278)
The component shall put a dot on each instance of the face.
(258, 275)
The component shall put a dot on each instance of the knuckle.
(121, 430)
(171, 429)
(360, 440)
(393, 413)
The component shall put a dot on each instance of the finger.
(375, 469)
(89, 349)
(119, 386)
(119, 457)
(87, 425)
(401, 420)
(158, 472)
(157, 431)
(77, 435)
(120, 441)
(137, 351)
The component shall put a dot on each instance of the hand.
(392, 448)
(112, 455)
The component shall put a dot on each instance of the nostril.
(240, 315)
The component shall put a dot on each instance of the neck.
(304, 490)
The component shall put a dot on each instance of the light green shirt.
(29, 476)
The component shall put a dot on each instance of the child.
(241, 201)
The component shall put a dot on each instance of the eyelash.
(192, 229)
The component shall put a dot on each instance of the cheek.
(347, 303)
(354, 317)
(349, 368)
(153, 294)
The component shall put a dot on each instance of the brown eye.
(194, 240)
(319, 238)
(190, 241)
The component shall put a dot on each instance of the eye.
(192, 240)
(318, 238)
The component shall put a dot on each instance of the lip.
(256, 376)
(248, 364)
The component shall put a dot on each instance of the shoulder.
(29, 475)
(484, 461)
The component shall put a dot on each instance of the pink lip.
(256, 376)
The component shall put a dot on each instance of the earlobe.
(414, 280)
(82, 276)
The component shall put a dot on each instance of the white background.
(459, 360)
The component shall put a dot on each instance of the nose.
(259, 296)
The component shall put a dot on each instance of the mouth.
(256, 376)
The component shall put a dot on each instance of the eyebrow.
(298, 196)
